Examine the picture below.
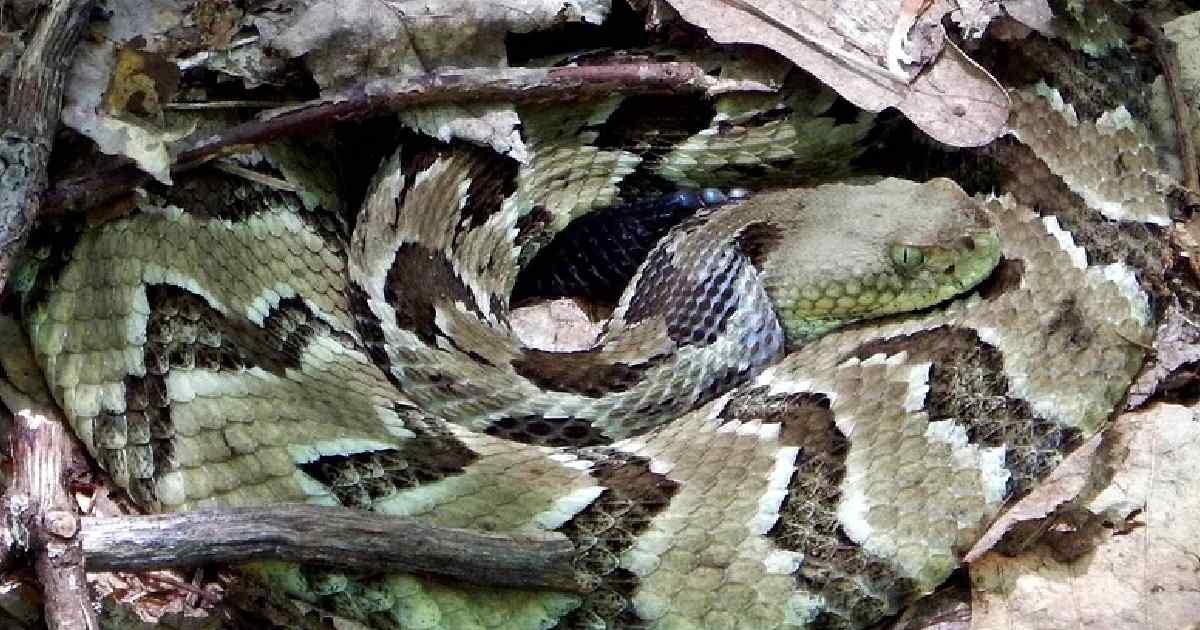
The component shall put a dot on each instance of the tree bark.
(30, 121)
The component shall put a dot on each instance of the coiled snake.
(245, 350)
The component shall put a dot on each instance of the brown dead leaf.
(974, 16)
(144, 141)
(1142, 577)
(140, 84)
(1036, 14)
(558, 325)
(182, 598)
(217, 21)
(852, 47)
(1061, 486)
(350, 41)
(1176, 343)
(947, 609)
(956, 101)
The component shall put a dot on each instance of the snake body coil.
(254, 356)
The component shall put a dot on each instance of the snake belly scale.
(706, 479)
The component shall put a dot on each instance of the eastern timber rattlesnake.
(218, 355)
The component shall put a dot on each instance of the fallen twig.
(1164, 50)
(338, 538)
(194, 591)
(1183, 234)
(383, 96)
(41, 517)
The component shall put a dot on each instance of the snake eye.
(907, 256)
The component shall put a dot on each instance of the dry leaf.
(946, 609)
(244, 59)
(1036, 14)
(492, 125)
(144, 141)
(956, 101)
(349, 41)
(850, 45)
(83, 111)
(1141, 578)
(557, 325)
(140, 84)
(974, 16)
(1062, 485)
(1176, 343)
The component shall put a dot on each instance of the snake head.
(854, 253)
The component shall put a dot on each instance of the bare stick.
(333, 537)
(1183, 234)
(1164, 50)
(28, 125)
(41, 516)
(471, 85)
(10, 544)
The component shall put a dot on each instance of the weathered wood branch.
(10, 545)
(1185, 235)
(338, 538)
(30, 120)
(42, 519)
(1168, 60)
(384, 96)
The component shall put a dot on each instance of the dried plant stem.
(384, 96)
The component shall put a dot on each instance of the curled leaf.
(876, 55)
